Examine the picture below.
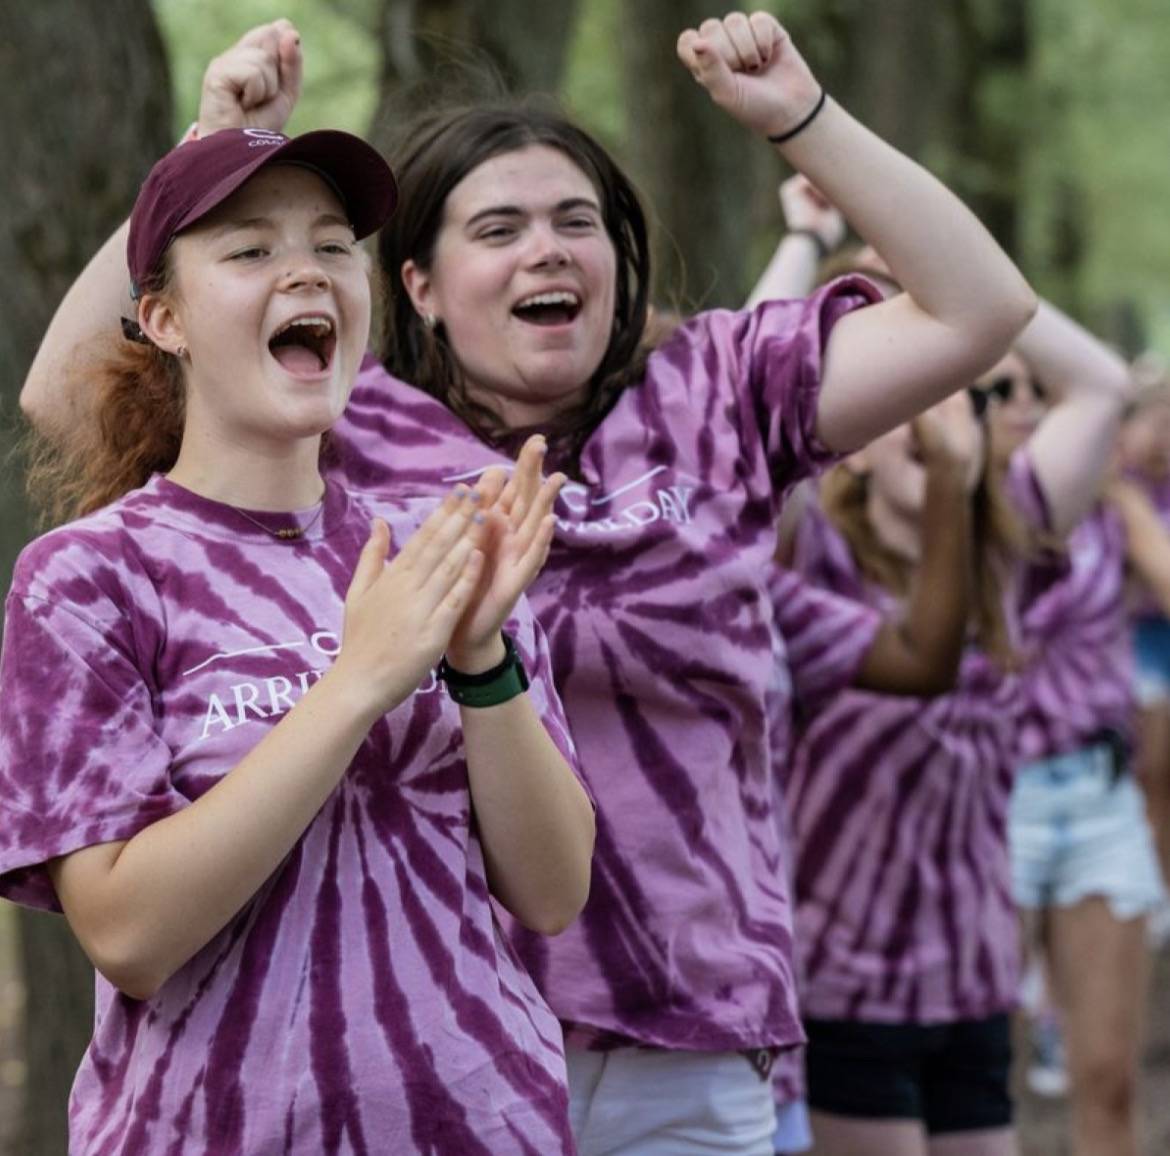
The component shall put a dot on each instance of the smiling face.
(522, 280)
(270, 299)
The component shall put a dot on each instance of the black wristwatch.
(502, 682)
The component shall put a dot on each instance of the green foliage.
(342, 57)
(593, 87)
(1102, 138)
(1090, 110)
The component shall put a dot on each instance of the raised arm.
(535, 821)
(1147, 541)
(815, 229)
(256, 82)
(920, 654)
(964, 301)
(1090, 386)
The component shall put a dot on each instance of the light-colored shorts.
(651, 1102)
(1079, 830)
(793, 1129)
(1151, 653)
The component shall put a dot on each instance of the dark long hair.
(436, 152)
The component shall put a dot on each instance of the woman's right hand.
(751, 69)
(399, 616)
(949, 437)
(255, 83)
(519, 527)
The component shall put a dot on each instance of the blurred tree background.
(1049, 116)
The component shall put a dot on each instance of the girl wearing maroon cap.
(276, 829)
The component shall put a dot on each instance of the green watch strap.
(501, 683)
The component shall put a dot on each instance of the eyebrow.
(237, 225)
(514, 211)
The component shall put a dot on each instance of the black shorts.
(952, 1077)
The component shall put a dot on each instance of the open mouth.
(305, 345)
(558, 307)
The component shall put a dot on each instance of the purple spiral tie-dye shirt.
(655, 600)
(1078, 658)
(823, 641)
(898, 808)
(365, 1000)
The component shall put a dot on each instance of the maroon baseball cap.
(195, 177)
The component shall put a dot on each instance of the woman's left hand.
(515, 536)
(751, 69)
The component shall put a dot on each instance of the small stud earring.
(429, 319)
(181, 352)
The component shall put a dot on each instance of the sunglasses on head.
(1003, 389)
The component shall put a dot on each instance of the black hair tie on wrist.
(783, 137)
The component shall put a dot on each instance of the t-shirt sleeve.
(80, 760)
(533, 647)
(826, 637)
(781, 365)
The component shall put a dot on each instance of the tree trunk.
(693, 162)
(84, 111)
(466, 49)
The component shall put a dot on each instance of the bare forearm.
(177, 883)
(1066, 358)
(57, 392)
(936, 617)
(963, 301)
(921, 655)
(535, 821)
(1090, 386)
(1148, 545)
(936, 249)
(791, 273)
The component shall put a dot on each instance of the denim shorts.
(1078, 830)
(793, 1129)
(1151, 652)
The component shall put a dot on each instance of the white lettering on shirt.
(245, 694)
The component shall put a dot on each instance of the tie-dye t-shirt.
(655, 600)
(898, 810)
(365, 1000)
(1078, 658)
(823, 641)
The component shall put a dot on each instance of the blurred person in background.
(1060, 634)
